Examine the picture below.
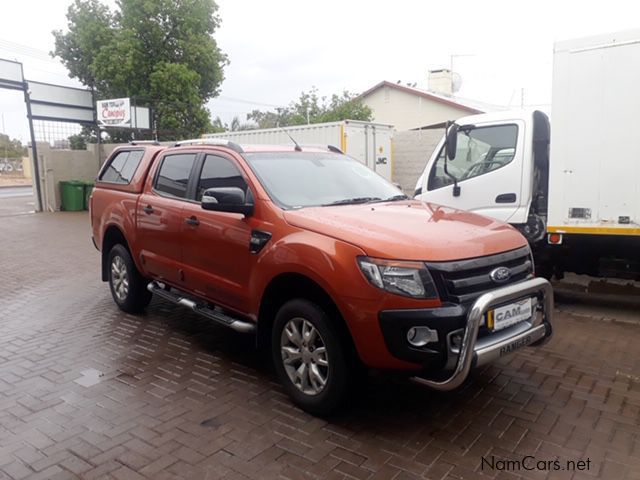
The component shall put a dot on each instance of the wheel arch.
(112, 236)
(288, 286)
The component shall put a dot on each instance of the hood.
(410, 230)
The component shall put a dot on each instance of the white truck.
(577, 201)
(369, 143)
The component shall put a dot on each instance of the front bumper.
(458, 358)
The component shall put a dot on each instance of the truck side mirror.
(226, 199)
(451, 145)
(452, 141)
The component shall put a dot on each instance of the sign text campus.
(114, 113)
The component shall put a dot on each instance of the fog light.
(420, 336)
(456, 340)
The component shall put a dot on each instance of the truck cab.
(571, 187)
(500, 167)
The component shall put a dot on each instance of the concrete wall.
(26, 167)
(405, 110)
(59, 165)
(411, 151)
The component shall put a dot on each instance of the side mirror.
(226, 199)
(451, 145)
(452, 141)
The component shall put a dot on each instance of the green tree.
(268, 119)
(346, 107)
(11, 148)
(92, 26)
(237, 126)
(160, 52)
(179, 109)
(78, 142)
(310, 108)
(88, 134)
(217, 126)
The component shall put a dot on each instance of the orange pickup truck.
(328, 265)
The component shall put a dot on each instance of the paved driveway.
(87, 391)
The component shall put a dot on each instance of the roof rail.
(211, 141)
(144, 142)
(329, 148)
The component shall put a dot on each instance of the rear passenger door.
(159, 217)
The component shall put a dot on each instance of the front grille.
(463, 281)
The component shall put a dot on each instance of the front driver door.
(488, 166)
(216, 252)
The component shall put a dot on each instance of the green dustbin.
(88, 188)
(72, 195)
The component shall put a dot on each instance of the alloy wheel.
(119, 278)
(304, 356)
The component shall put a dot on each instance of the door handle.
(506, 198)
(192, 221)
(148, 209)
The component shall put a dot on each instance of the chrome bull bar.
(477, 311)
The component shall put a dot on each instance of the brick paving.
(89, 392)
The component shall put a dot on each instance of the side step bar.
(203, 309)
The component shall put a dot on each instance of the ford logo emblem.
(500, 274)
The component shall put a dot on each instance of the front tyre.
(309, 358)
(128, 287)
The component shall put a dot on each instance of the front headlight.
(409, 279)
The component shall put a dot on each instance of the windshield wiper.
(395, 198)
(353, 201)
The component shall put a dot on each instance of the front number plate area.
(507, 315)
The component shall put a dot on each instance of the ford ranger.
(329, 265)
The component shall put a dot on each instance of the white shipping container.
(595, 157)
(369, 143)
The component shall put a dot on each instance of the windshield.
(305, 179)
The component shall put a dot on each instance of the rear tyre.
(128, 287)
(309, 358)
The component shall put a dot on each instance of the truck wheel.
(128, 287)
(309, 358)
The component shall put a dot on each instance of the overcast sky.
(278, 48)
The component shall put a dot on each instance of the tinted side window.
(123, 166)
(219, 172)
(173, 175)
